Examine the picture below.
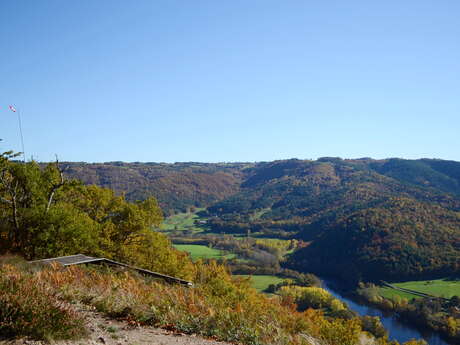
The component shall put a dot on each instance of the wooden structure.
(80, 259)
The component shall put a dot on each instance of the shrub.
(218, 306)
(312, 297)
(29, 308)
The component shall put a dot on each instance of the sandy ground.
(112, 332)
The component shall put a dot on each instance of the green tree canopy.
(43, 215)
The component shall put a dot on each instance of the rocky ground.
(103, 330)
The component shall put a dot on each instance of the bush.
(29, 308)
(372, 324)
(218, 306)
(312, 297)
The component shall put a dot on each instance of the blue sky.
(165, 80)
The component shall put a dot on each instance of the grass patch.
(112, 329)
(183, 221)
(198, 251)
(258, 214)
(261, 282)
(440, 287)
(392, 293)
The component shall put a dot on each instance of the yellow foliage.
(218, 306)
(453, 325)
(311, 297)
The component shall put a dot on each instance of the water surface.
(397, 329)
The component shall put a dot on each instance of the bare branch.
(55, 186)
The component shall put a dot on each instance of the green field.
(392, 293)
(259, 214)
(260, 283)
(183, 221)
(202, 252)
(440, 288)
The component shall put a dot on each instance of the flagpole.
(22, 138)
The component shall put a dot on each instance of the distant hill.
(386, 219)
(397, 239)
(360, 218)
(308, 189)
(176, 186)
(435, 173)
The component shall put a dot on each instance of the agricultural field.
(203, 252)
(261, 282)
(392, 293)
(441, 288)
(183, 221)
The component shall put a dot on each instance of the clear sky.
(230, 80)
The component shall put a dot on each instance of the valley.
(287, 228)
(399, 329)
(355, 220)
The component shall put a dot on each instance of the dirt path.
(112, 332)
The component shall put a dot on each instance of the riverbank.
(398, 328)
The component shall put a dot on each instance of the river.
(397, 329)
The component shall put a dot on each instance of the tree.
(44, 215)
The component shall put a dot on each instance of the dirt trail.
(107, 331)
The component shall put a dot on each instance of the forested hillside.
(398, 216)
(436, 173)
(389, 219)
(395, 240)
(176, 186)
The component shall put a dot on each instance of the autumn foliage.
(219, 306)
(43, 215)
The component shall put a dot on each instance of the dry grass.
(218, 306)
(29, 307)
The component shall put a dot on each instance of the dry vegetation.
(218, 306)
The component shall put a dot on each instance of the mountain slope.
(370, 219)
(308, 189)
(176, 186)
(395, 240)
(373, 219)
(434, 173)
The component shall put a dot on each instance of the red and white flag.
(13, 109)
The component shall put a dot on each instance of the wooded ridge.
(397, 217)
